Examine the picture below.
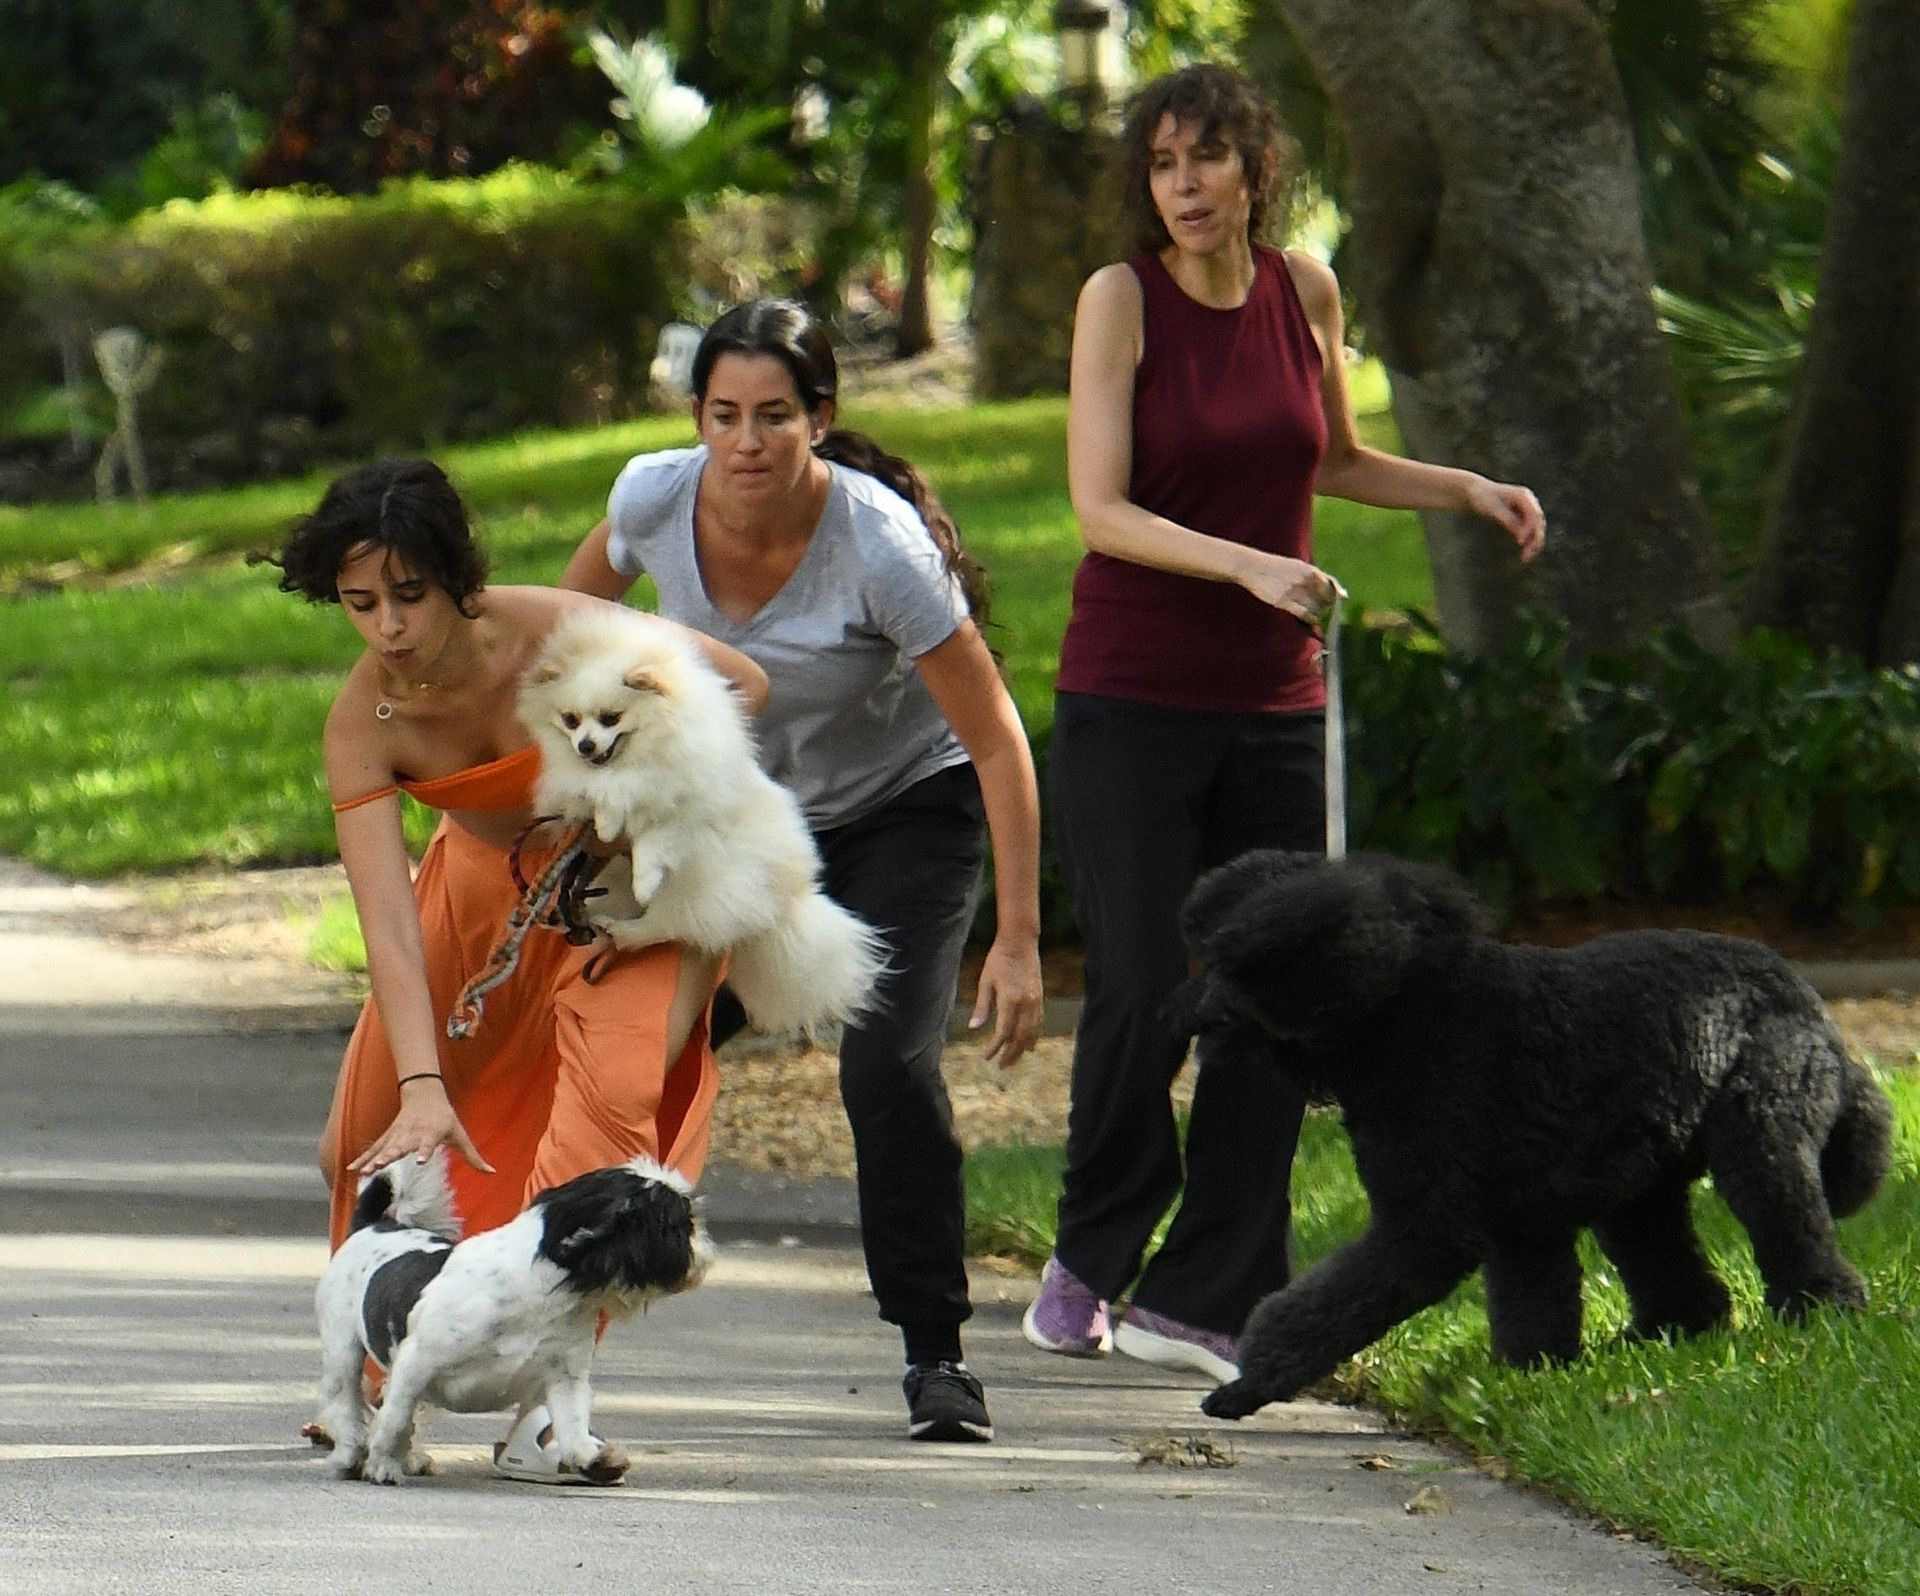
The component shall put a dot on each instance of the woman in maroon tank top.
(1208, 406)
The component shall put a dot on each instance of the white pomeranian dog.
(640, 736)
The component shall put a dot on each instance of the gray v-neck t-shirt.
(848, 722)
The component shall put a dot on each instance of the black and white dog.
(505, 1319)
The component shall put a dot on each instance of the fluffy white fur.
(641, 736)
(509, 1319)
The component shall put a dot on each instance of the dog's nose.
(586, 748)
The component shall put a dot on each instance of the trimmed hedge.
(298, 325)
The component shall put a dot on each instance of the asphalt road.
(159, 1223)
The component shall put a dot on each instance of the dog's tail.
(411, 1193)
(816, 967)
(1859, 1148)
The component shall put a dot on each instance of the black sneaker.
(945, 1403)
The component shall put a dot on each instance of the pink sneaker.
(1154, 1338)
(1067, 1317)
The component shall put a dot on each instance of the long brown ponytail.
(858, 452)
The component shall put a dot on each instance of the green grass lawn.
(163, 723)
(1776, 1457)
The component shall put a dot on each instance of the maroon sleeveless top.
(1228, 431)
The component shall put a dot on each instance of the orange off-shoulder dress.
(563, 1076)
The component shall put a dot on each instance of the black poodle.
(1501, 1097)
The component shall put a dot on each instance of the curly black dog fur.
(1501, 1097)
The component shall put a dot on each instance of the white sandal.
(524, 1456)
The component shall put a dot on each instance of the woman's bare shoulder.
(522, 604)
(359, 690)
(356, 740)
(535, 610)
(1110, 320)
(1314, 282)
(1114, 288)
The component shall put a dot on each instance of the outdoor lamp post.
(1080, 24)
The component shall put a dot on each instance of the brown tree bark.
(1498, 263)
(1840, 559)
(917, 206)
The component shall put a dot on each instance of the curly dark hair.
(1220, 102)
(792, 334)
(405, 506)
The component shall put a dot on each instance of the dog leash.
(1335, 775)
(543, 903)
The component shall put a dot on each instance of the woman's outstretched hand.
(426, 1121)
(1514, 508)
(1010, 990)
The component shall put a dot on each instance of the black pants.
(910, 869)
(1144, 799)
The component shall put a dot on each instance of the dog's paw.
(608, 1466)
(1234, 1400)
(347, 1463)
(419, 1463)
(383, 1470)
(624, 933)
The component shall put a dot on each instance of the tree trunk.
(1840, 561)
(1501, 274)
(915, 332)
(686, 30)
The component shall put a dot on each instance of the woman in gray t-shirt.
(832, 566)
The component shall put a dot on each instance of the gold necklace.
(468, 666)
(384, 709)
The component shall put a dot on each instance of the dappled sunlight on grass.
(158, 773)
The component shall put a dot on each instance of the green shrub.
(41, 224)
(1672, 775)
(300, 324)
(1675, 776)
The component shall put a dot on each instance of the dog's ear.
(1222, 895)
(544, 671)
(1436, 895)
(1307, 945)
(615, 1229)
(643, 679)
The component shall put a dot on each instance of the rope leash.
(1335, 775)
(553, 900)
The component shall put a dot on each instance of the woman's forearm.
(396, 966)
(1007, 792)
(1122, 530)
(1390, 482)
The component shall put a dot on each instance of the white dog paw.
(419, 1463)
(624, 934)
(347, 1463)
(383, 1470)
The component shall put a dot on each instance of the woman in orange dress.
(564, 1074)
